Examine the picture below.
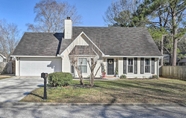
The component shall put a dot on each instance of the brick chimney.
(68, 28)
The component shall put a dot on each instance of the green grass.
(119, 91)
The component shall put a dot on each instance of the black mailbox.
(44, 76)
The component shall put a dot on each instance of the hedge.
(59, 79)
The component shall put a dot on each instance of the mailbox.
(44, 76)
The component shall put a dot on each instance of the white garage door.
(35, 66)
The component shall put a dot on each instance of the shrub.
(123, 77)
(154, 77)
(59, 79)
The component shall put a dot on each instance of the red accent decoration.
(103, 74)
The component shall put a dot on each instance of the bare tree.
(92, 60)
(92, 65)
(9, 37)
(50, 16)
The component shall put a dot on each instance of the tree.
(50, 16)
(9, 38)
(170, 14)
(161, 14)
(77, 61)
(120, 13)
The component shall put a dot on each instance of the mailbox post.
(44, 76)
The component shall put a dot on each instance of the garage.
(34, 66)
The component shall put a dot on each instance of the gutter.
(31, 56)
(133, 56)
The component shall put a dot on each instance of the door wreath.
(110, 61)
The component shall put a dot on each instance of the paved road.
(29, 110)
(15, 88)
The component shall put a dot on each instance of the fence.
(177, 72)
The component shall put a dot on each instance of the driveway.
(15, 88)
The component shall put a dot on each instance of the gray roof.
(39, 44)
(111, 40)
(182, 60)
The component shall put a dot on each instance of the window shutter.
(135, 66)
(142, 66)
(152, 66)
(72, 69)
(124, 65)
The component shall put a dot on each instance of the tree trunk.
(92, 79)
(80, 77)
(174, 52)
(92, 72)
(174, 33)
(79, 74)
(162, 49)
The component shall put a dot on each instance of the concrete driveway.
(15, 88)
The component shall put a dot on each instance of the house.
(2, 58)
(182, 62)
(129, 51)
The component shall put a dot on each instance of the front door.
(110, 66)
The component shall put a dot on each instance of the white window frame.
(147, 65)
(130, 65)
(80, 65)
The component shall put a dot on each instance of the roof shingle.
(118, 41)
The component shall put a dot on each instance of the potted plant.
(103, 74)
(116, 73)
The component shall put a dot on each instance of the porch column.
(120, 66)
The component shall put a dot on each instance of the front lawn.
(118, 91)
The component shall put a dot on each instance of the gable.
(81, 41)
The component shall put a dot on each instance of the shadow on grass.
(158, 89)
(40, 85)
(30, 93)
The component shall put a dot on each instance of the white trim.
(87, 38)
(132, 56)
(83, 55)
(71, 43)
(31, 56)
(3, 56)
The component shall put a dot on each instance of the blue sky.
(21, 12)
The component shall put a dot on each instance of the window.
(153, 66)
(130, 65)
(72, 69)
(82, 63)
(147, 65)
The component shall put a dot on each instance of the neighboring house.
(2, 58)
(129, 51)
(182, 62)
